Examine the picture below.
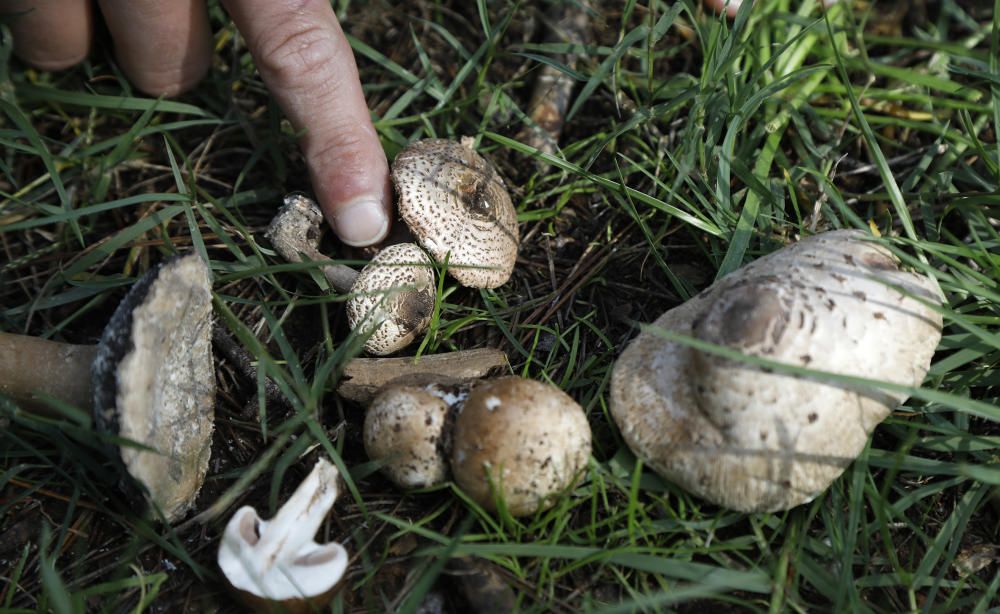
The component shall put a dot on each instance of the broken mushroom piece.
(391, 300)
(276, 564)
(150, 380)
(458, 208)
(752, 438)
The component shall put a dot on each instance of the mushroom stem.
(33, 369)
(295, 231)
(553, 87)
(299, 518)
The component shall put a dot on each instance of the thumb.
(307, 65)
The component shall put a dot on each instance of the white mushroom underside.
(755, 440)
(278, 559)
(166, 387)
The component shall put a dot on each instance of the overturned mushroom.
(276, 565)
(458, 208)
(510, 439)
(753, 438)
(150, 380)
(391, 299)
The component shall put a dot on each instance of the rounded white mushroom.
(407, 429)
(277, 564)
(457, 206)
(520, 441)
(392, 299)
(755, 439)
(150, 380)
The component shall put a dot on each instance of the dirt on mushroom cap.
(525, 439)
(752, 439)
(459, 209)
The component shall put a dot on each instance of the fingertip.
(361, 222)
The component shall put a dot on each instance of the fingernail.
(361, 223)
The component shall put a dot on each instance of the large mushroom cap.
(392, 299)
(276, 565)
(753, 439)
(406, 428)
(459, 209)
(519, 440)
(154, 381)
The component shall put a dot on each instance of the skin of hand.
(303, 57)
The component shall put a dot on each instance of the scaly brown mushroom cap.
(519, 440)
(392, 299)
(753, 439)
(459, 209)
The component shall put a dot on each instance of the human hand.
(303, 57)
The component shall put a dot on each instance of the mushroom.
(753, 438)
(406, 428)
(150, 380)
(391, 300)
(510, 439)
(458, 208)
(276, 564)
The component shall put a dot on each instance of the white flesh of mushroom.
(278, 559)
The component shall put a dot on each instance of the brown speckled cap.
(519, 440)
(755, 439)
(392, 298)
(459, 209)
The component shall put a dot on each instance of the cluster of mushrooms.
(749, 395)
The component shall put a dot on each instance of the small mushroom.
(408, 429)
(150, 380)
(512, 439)
(458, 208)
(276, 565)
(752, 438)
(391, 300)
(521, 441)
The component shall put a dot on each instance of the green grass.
(695, 145)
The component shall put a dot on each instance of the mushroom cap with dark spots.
(407, 429)
(753, 438)
(392, 299)
(154, 382)
(457, 206)
(521, 441)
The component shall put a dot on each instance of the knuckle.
(296, 54)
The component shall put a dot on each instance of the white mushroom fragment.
(458, 208)
(407, 428)
(519, 441)
(752, 438)
(150, 380)
(391, 300)
(276, 564)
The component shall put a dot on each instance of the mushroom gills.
(753, 438)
